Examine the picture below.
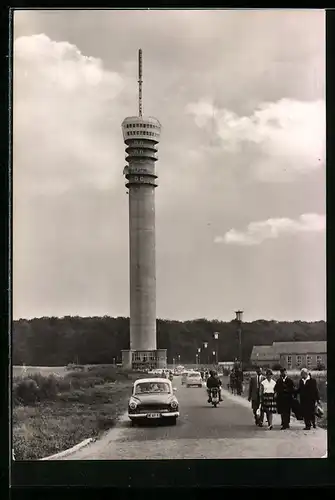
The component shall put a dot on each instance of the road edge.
(111, 433)
(64, 453)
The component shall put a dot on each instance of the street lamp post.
(196, 359)
(199, 354)
(214, 355)
(174, 363)
(216, 337)
(239, 317)
(205, 346)
(179, 359)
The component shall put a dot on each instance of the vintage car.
(153, 399)
(184, 377)
(193, 379)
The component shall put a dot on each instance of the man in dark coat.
(213, 381)
(284, 390)
(309, 396)
(254, 395)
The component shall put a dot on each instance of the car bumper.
(145, 415)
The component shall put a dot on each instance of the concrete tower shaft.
(141, 136)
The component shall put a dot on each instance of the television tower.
(141, 136)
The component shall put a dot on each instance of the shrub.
(35, 388)
(25, 391)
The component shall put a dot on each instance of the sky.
(240, 207)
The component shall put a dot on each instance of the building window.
(289, 361)
(299, 359)
(309, 361)
(318, 358)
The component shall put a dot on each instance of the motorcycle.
(215, 399)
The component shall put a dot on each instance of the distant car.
(193, 378)
(156, 371)
(184, 377)
(179, 370)
(153, 399)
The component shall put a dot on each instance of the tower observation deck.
(141, 136)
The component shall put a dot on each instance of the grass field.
(51, 414)
(19, 371)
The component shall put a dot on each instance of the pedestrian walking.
(284, 390)
(254, 395)
(232, 381)
(267, 397)
(309, 396)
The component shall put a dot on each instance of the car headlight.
(174, 404)
(132, 405)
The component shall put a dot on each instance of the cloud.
(64, 107)
(259, 231)
(285, 138)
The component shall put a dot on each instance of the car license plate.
(154, 415)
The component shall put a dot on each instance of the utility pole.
(239, 316)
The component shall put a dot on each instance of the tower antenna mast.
(140, 81)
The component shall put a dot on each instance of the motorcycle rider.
(213, 381)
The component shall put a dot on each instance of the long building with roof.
(291, 355)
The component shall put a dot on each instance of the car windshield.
(152, 388)
(194, 374)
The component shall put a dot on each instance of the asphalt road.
(202, 431)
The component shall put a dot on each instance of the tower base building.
(144, 360)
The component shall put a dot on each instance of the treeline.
(99, 340)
